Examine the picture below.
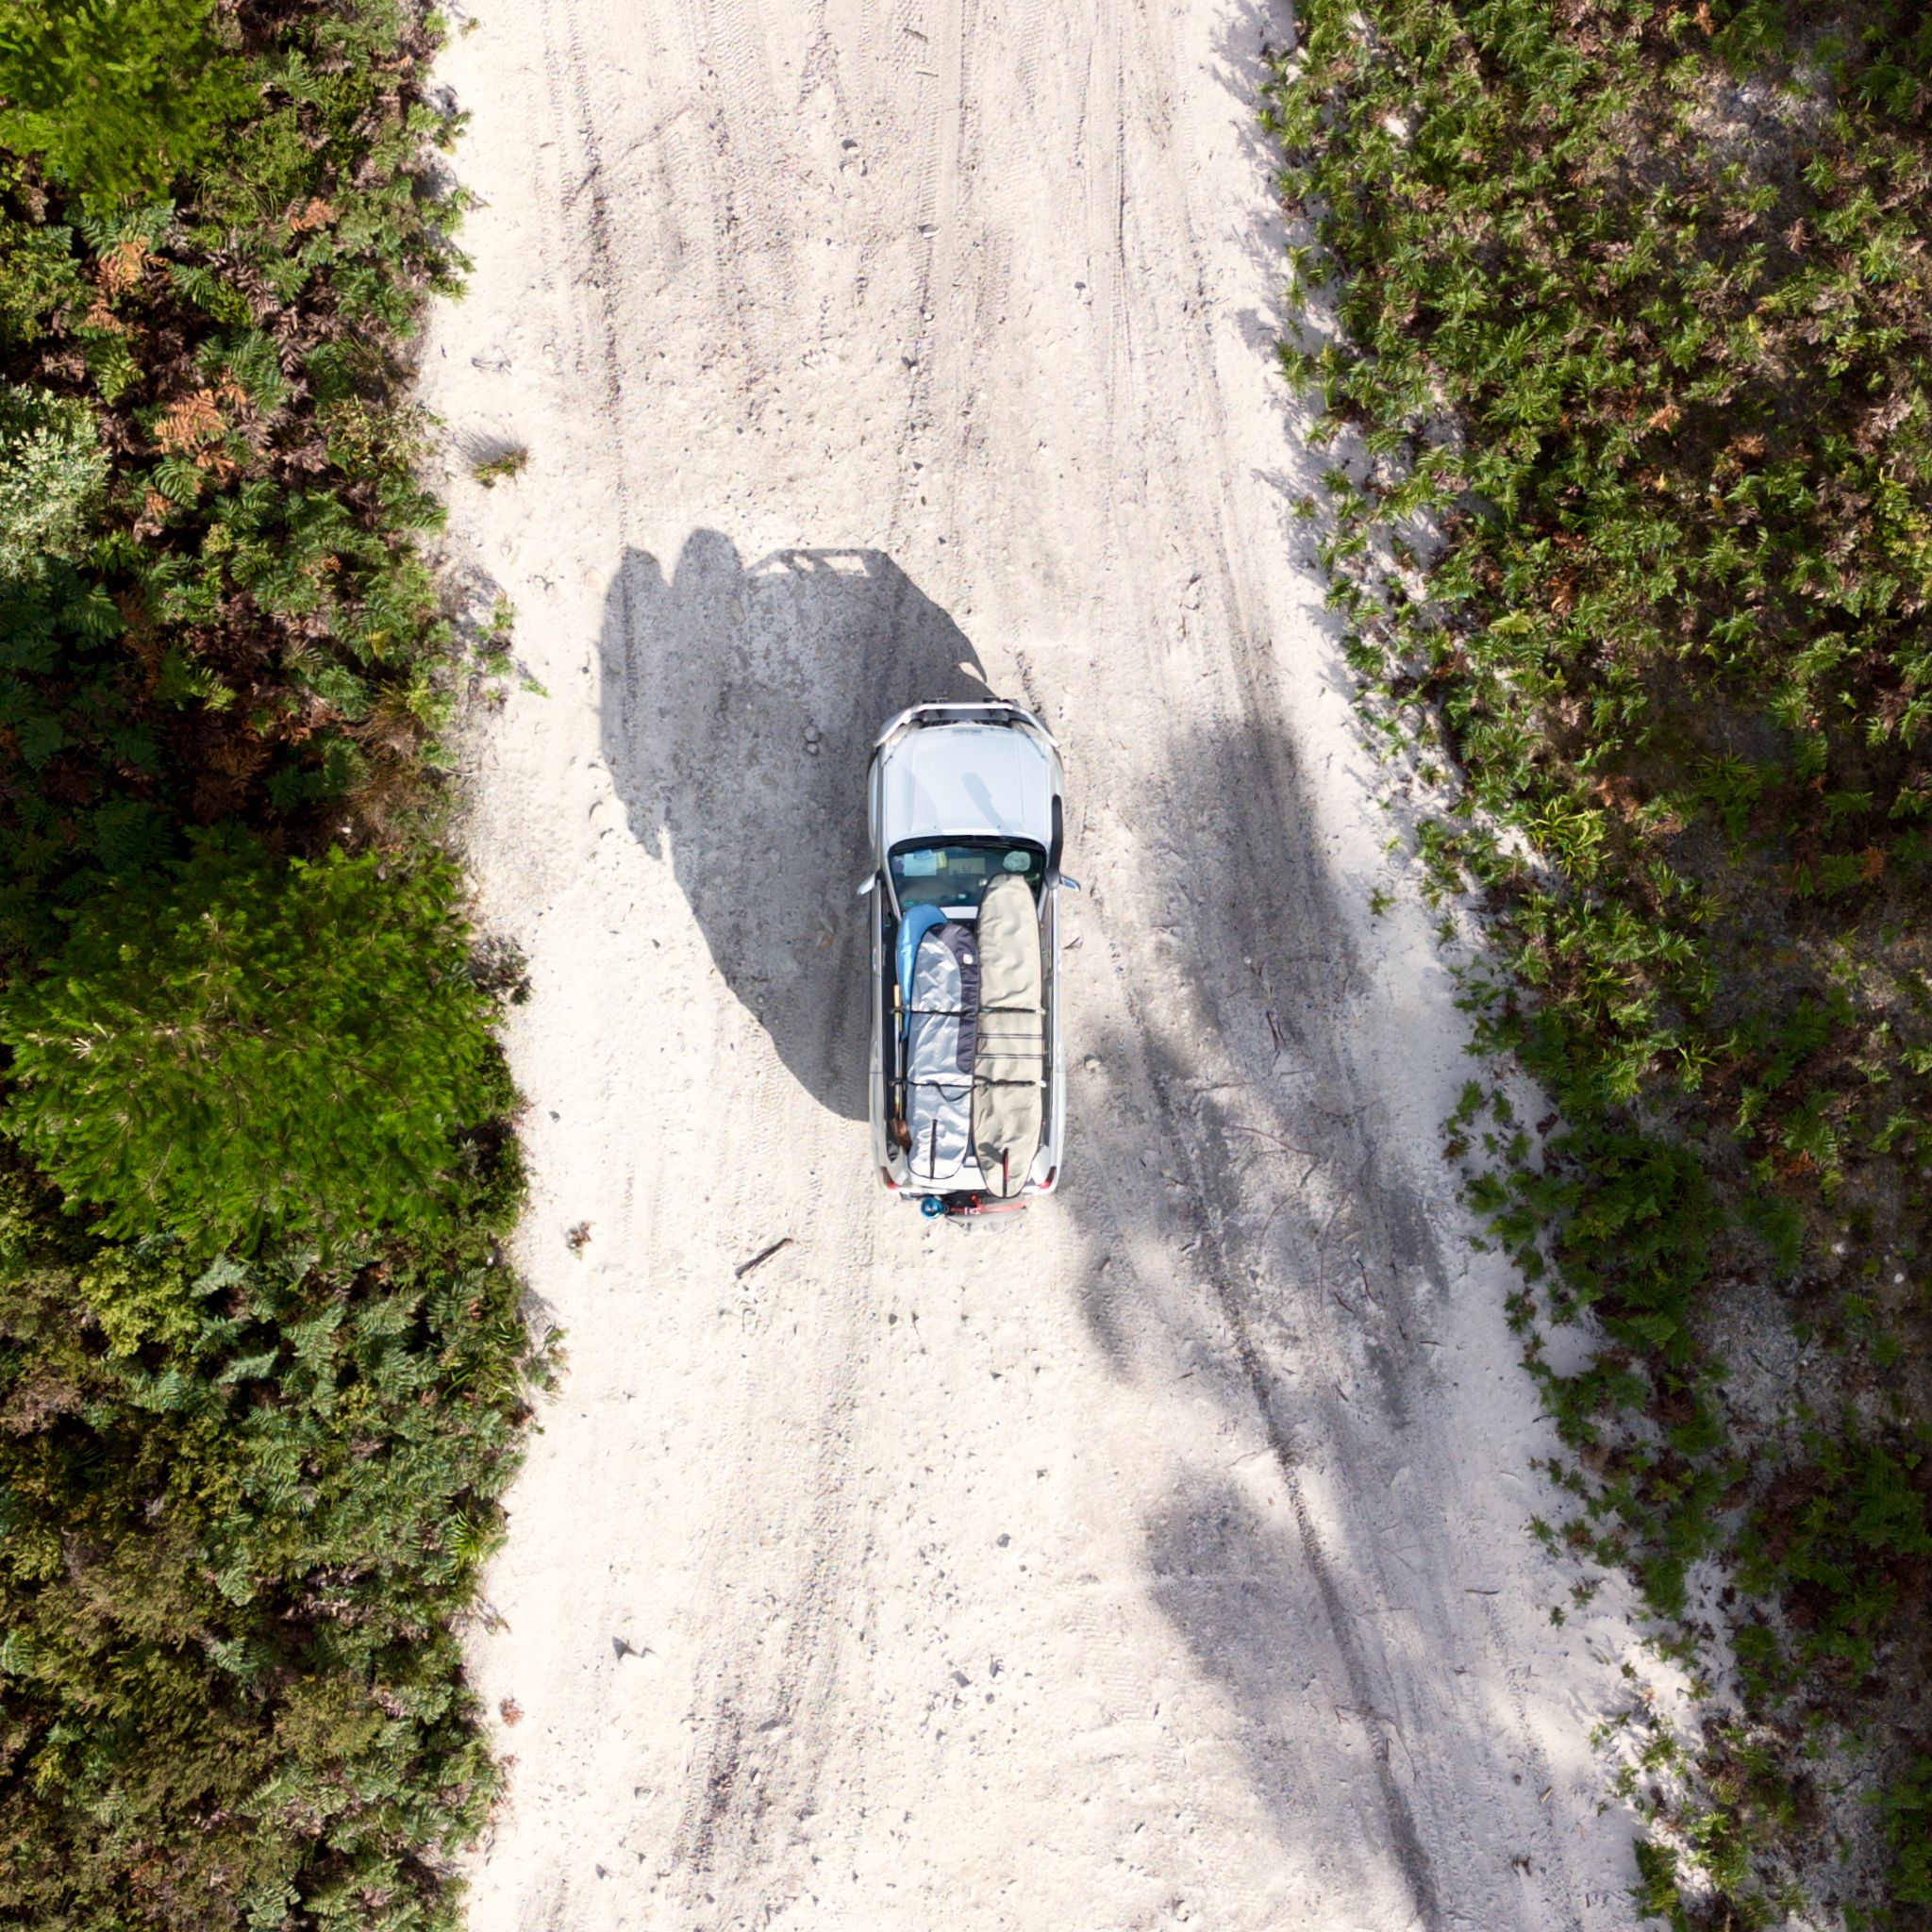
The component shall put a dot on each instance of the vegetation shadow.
(739, 705)
(1245, 1228)
(1254, 1612)
(1233, 1074)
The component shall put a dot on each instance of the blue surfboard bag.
(919, 920)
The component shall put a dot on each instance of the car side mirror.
(1072, 885)
(1055, 843)
(865, 890)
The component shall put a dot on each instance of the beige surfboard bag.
(1009, 1061)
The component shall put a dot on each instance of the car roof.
(966, 780)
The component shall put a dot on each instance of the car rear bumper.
(896, 1179)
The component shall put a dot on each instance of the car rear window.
(955, 871)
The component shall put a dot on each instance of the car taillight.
(885, 1176)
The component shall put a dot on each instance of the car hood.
(966, 779)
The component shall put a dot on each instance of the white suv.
(967, 1095)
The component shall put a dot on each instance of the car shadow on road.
(740, 702)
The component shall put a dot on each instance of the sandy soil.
(1156, 1559)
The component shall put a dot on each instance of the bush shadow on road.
(1240, 1592)
(738, 705)
(1231, 1117)
(1240, 1218)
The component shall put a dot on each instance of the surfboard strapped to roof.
(1009, 1045)
(941, 1037)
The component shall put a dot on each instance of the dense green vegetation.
(1630, 382)
(262, 1371)
(246, 1046)
(156, 87)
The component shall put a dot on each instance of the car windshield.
(956, 873)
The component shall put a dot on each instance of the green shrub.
(248, 631)
(1621, 315)
(38, 271)
(120, 96)
(1908, 1806)
(255, 1048)
(237, 1504)
(1840, 1537)
(242, 1501)
(52, 470)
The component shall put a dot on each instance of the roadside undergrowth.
(1618, 316)
(263, 1374)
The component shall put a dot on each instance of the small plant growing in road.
(494, 463)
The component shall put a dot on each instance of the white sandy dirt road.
(1157, 1559)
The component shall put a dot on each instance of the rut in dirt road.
(1158, 1559)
